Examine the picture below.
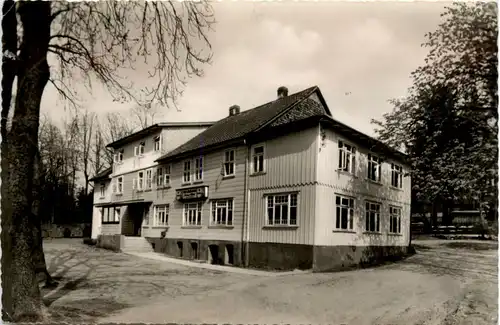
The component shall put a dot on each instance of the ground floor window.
(395, 220)
(222, 212)
(344, 212)
(372, 215)
(282, 209)
(161, 215)
(192, 214)
(110, 214)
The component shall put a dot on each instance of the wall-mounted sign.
(192, 193)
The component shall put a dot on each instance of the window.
(374, 167)
(222, 212)
(139, 150)
(149, 179)
(192, 214)
(166, 176)
(198, 169)
(229, 163)
(159, 177)
(347, 157)
(119, 185)
(110, 215)
(161, 215)
(372, 217)
(186, 177)
(344, 212)
(157, 143)
(395, 220)
(102, 190)
(282, 209)
(118, 156)
(396, 176)
(140, 180)
(258, 159)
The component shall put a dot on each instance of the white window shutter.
(134, 184)
(135, 151)
(115, 159)
(114, 186)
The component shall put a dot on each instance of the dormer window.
(157, 143)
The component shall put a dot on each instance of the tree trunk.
(39, 256)
(9, 44)
(33, 74)
(434, 218)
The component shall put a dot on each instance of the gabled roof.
(102, 175)
(252, 120)
(153, 128)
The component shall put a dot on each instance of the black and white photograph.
(249, 162)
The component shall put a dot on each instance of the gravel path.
(439, 285)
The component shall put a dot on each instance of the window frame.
(377, 216)
(157, 141)
(377, 160)
(350, 212)
(186, 172)
(166, 211)
(228, 205)
(228, 163)
(198, 169)
(140, 180)
(289, 202)
(159, 177)
(149, 179)
(166, 175)
(119, 183)
(199, 214)
(254, 155)
(397, 175)
(109, 215)
(398, 217)
(343, 153)
(102, 190)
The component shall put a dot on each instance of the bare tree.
(145, 115)
(93, 41)
(86, 128)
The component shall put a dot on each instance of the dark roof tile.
(237, 126)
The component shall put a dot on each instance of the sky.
(360, 54)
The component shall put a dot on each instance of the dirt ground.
(446, 282)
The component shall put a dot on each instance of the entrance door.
(136, 212)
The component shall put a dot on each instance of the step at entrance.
(136, 244)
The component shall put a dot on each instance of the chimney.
(234, 110)
(282, 92)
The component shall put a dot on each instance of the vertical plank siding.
(290, 166)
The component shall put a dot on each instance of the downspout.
(246, 214)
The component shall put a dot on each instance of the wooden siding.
(331, 182)
(290, 165)
(219, 188)
(175, 136)
(290, 160)
(303, 234)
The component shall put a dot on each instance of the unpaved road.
(441, 284)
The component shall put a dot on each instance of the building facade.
(280, 186)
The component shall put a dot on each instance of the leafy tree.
(90, 41)
(448, 122)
